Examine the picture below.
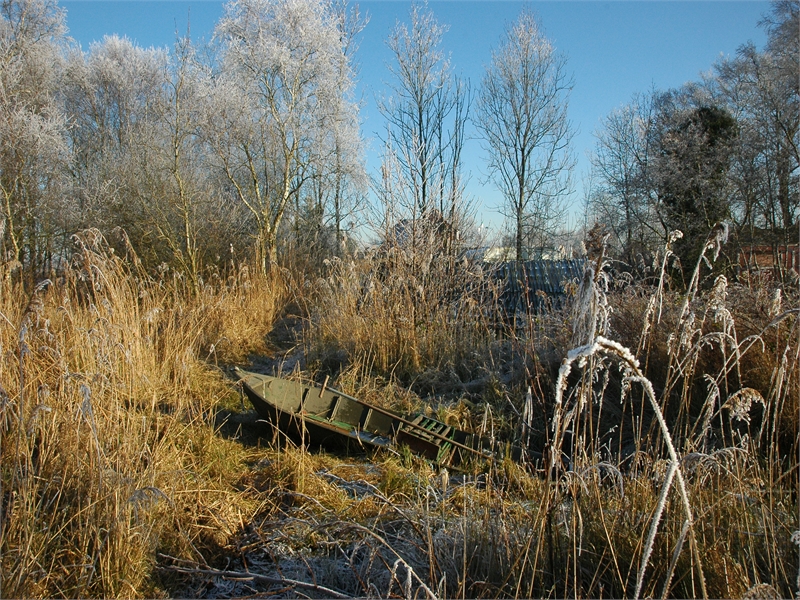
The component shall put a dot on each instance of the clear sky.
(614, 50)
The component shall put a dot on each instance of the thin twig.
(245, 576)
(363, 529)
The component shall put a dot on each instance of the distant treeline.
(250, 147)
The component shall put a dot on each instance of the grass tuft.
(667, 422)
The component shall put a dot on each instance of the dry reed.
(672, 470)
(108, 454)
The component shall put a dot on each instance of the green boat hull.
(325, 416)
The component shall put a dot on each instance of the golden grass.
(394, 323)
(108, 453)
(691, 520)
(115, 482)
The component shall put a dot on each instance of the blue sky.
(614, 50)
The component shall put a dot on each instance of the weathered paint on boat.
(327, 416)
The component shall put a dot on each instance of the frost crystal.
(775, 307)
(740, 403)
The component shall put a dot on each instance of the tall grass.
(383, 313)
(108, 454)
(687, 400)
(667, 420)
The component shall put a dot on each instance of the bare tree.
(277, 94)
(762, 90)
(426, 113)
(621, 194)
(350, 181)
(184, 188)
(522, 115)
(189, 213)
(33, 151)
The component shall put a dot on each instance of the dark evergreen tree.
(694, 147)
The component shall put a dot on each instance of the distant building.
(501, 254)
(769, 260)
(535, 285)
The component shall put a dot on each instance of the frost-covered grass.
(668, 422)
(684, 401)
(108, 454)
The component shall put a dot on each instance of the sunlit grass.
(116, 483)
(108, 449)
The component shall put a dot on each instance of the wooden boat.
(326, 416)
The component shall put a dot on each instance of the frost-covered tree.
(620, 194)
(114, 95)
(426, 113)
(35, 216)
(277, 94)
(762, 90)
(522, 116)
(139, 162)
(337, 187)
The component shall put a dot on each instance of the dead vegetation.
(668, 421)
